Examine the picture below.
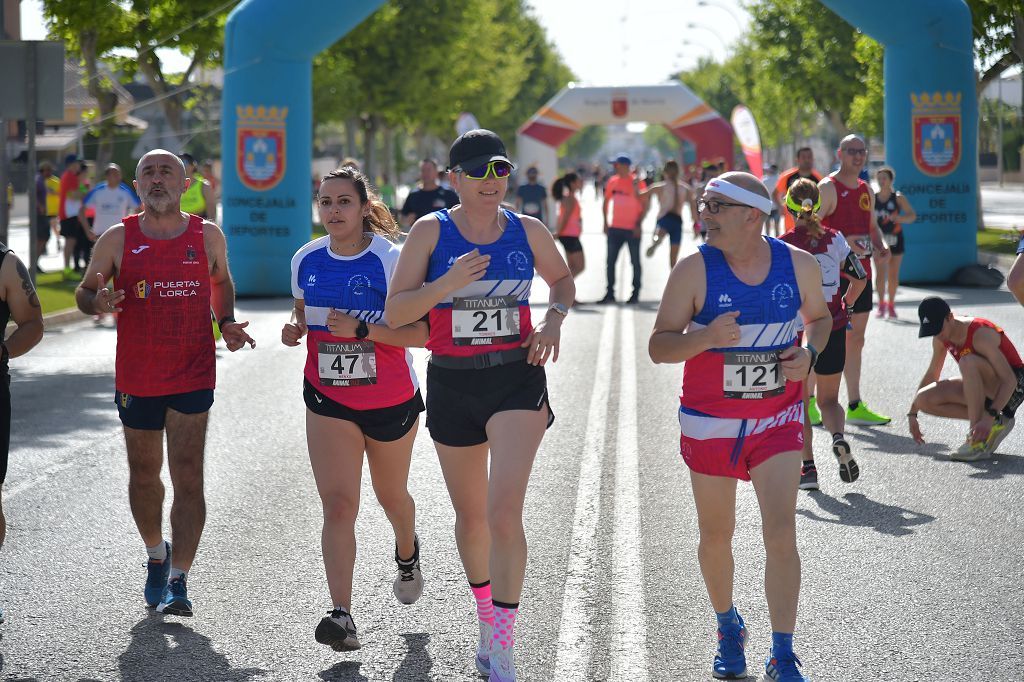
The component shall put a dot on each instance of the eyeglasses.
(857, 152)
(500, 169)
(712, 206)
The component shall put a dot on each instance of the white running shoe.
(503, 665)
(409, 581)
(970, 452)
(483, 648)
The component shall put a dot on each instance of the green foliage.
(867, 108)
(419, 65)
(583, 146)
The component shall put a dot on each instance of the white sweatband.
(746, 197)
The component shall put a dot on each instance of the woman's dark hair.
(379, 220)
(889, 171)
(671, 168)
(562, 184)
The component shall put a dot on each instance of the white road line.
(575, 633)
(629, 630)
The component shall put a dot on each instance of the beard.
(162, 202)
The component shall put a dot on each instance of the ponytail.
(803, 201)
(561, 184)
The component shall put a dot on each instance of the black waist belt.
(482, 361)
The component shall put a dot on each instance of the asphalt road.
(912, 573)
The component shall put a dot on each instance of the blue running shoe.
(156, 578)
(783, 668)
(175, 600)
(730, 661)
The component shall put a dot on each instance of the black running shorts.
(149, 413)
(461, 401)
(832, 358)
(863, 302)
(384, 424)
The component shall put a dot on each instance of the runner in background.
(771, 180)
(532, 197)
(1015, 278)
(622, 225)
(837, 262)
(848, 206)
(570, 226)
(991, 383)
(804, 169)
(893, 211)
(672, 194)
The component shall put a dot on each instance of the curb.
(54, 320)
(1000, 261)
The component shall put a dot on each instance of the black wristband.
(993, 412)
(814, 357)
(362, 330)
(227, 319)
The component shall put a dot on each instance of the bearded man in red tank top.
(847, 206)
(170, 269)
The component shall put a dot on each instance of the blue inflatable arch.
(930, 123)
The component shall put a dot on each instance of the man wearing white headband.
(729, 313)
(848, 206)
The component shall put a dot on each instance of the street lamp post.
(723, 6)
(710, 30)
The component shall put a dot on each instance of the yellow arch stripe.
(549, 113)
(692, 115)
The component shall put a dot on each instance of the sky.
(604, 42)
(612, 42)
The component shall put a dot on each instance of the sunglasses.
(856, 152)
(500, 169)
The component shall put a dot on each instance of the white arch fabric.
(671, 104)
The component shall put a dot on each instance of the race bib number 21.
(485, 320)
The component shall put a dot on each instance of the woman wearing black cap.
(470, 268)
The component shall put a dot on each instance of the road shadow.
(168, 650)
(417, 662)
(885, 439)
(998, 466)
(46, 408)
(857, 509)
(345, 671)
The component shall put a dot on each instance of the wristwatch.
(560, 309)
(227, 319)
(363, 330)
(992, 412)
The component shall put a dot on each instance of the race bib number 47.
(347, 364)
(485, 321)
(753, 375)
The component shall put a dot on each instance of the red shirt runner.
(852, 216)
(165, 339)
(1005, 345)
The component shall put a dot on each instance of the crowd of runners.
(766, 330)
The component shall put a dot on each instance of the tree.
(93, 29)
(998, 36)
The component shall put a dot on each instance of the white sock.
(177, 573)
(157, 552)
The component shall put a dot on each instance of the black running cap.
(933, 311)
(475, 148)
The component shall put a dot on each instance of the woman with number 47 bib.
(360, 389)
(470, 269)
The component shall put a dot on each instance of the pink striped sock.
(504, 625)
(482, 595)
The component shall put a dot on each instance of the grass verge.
(998, 241)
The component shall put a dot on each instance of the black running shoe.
(848, 469)
(338, 631)
(607, 300)
(808, 477)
